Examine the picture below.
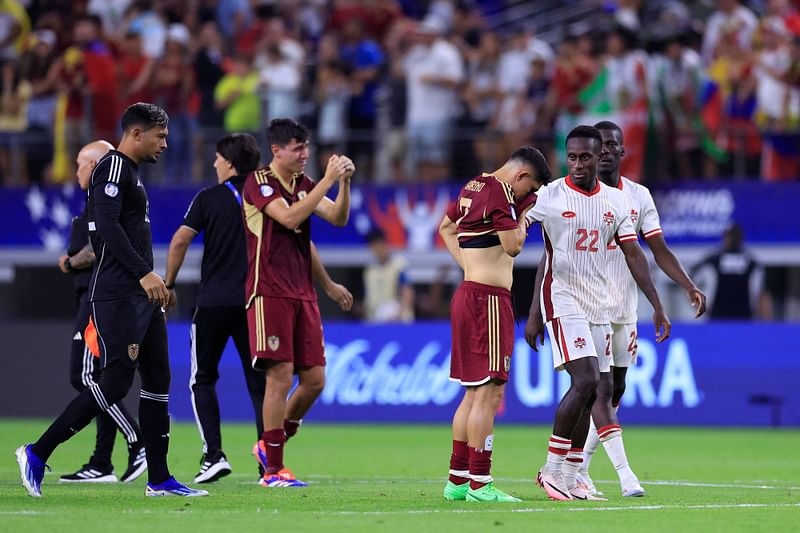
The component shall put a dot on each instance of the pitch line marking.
(567, 508)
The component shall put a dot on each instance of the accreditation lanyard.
(236, 194)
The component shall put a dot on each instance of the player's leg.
(605, 416)
(153, 407)
(273, 349)
(460, 322)
(32, 458)
(309, 363)
(489, 344)
(209, 334)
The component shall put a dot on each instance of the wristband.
(68, 265)
(170, 287)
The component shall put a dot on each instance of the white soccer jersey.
(577, 227)
(623, 292)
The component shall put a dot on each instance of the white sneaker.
(580, 493)
(553, 484)
(633, 490)
(585, 482)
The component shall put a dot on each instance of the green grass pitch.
(390, 478)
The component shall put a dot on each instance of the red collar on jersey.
(574, 187)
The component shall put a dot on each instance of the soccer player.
(283, 317)
(83, 369)
(623, 298)
(484, 229)
(581, 217)
(220, 312)
(127, 319)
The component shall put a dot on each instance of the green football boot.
(455, 493)
(489, 493)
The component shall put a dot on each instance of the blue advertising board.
(410, 215)
(737, 374)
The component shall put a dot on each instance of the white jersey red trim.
(623, 291)
(578, 227)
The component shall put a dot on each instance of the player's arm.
(338, 212)
(292, 216)
(448, 233)
(534, 327)
(107, 191)
(512, 240)
(637, 263)
(669, 263)
(335, 291)
(177, 253)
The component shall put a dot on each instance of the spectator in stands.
(279, 82)
(332, 95)
(135, 71)
(363, 59)
(146, 21)
(434, 72)
(236, 94)
(734, 281)
(14, 28)
(13, 119)
(388, 295)
(733, 19)
(482, 96)
(35, 67)
(233, 17)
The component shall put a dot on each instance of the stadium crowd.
(411, 90)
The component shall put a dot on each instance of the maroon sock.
(274, 439)
(459, 462)
(291, 427)
(480, 464)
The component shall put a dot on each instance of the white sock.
(557, 450)
(611, 437)
(592, 442)
(571, 465)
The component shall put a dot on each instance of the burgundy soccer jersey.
(485, 205)
(278, 258)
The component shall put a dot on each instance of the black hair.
(532, 157)
(375, 235)
(145, 115)
(282, 131)
(608, 125)
(585, 132)
(241, 149)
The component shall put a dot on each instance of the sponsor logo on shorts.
(608, 218)
(568, 214)
(580, 342)
(111, 190)
(133, 351)
(273, 342)
(507, 362)
(266, 191)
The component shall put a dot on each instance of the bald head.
(88, 157)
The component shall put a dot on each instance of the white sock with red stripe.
(611, 437)
(572, 464)
(592, 442)
(557, 450)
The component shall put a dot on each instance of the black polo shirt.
(217, 212)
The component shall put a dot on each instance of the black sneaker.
(212, 468)
(90, 474)
(137, 463)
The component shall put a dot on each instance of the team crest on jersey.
(273, 342)
(580, 342)
(507, 362)
(608, 218)
(133, 351)
(634, 216)
(111, 190)
(266, 191)
(301, 195)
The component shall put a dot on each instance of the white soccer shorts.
(573, 337)
(624, 344)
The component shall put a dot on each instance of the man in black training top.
(126, 328)
(84, 370)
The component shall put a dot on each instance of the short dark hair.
(241, 149)
(608, 125)
(145, 115)
(532, 157)
(281, 131)
(585, 132)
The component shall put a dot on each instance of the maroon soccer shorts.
(285, 330)
(482, 320)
